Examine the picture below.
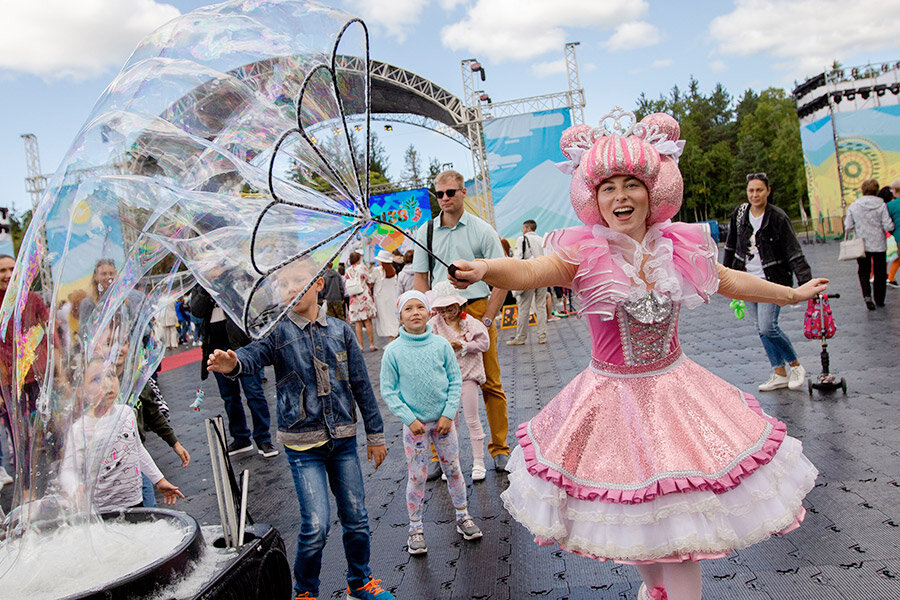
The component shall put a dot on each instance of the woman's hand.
(809, 290)
(467, 273)
(417, 428)
(456, 346)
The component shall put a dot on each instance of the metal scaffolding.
(35, 184)
(482, 199)
(576, 92)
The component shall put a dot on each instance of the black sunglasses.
(752, 176)
(450, 193)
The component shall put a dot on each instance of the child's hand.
(182, 453)
(222, 361)
(417, 428)
(170, 492)
(377, 454)
(457, 346)
(443, 425)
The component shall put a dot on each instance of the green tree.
(412, 166)
(769, 142)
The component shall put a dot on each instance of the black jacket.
(224, 335)
(334, 286)
(779, 250)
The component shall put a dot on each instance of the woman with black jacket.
(761, 241)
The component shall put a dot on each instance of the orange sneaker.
(305, 596)
(371, 591)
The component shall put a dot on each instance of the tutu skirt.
(663, 462)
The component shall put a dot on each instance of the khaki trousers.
(492, 390)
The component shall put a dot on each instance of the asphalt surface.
(847, 548)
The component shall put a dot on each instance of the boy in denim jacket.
(321, 379)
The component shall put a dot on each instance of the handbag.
(852, 248)
(818, 319)
(354, 287)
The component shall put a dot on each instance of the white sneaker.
(478, 472)
(4, 477)
(775, 382)
(797, 377)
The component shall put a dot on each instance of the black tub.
(143, 582)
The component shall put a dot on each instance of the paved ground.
(848, 547)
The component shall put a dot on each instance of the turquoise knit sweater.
(420, 377)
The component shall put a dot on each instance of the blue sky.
(56, 57)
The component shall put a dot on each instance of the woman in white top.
(869, 218)
(385, 293)
(762, 242)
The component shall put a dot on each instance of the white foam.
(82, 558)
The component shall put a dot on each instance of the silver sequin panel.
(647, 326)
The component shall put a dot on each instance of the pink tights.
(681, 581)
(469, 401)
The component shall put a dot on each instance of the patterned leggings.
(418, 455)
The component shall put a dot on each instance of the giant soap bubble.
(232, 142)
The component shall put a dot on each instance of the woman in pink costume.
(645, 457)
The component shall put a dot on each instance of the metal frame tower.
(35, 183)
(484, 201)
(576, 92)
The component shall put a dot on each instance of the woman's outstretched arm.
(744, 286)
(514, 273)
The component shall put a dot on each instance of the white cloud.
(519, 126)
(634, 34)
(717, 66)
(501, 30)
(395, 17)
(81, 39)
(496, 161)
(662, 63)
(804, 35)
(552, 67)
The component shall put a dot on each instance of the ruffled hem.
(691, 526)
(681, 262)
(661, 487)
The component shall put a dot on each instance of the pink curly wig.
(635, 154)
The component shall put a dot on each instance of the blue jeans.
(337, 461)
(776, 344)
(230, 390)
(147, 492)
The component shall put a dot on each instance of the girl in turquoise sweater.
(421, 383)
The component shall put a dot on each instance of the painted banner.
(868, 144)
(522, 151)
(408, 210)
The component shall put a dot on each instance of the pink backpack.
(813, 323)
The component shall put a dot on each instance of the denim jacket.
(309, 413)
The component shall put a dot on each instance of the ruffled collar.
(679, 260)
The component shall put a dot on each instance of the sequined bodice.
(647, 327)
(642, 332)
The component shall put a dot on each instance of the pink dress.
(646, 456)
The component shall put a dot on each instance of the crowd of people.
(645, 458)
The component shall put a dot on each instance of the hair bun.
(661, 123)
(576, 135)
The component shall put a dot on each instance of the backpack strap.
(428, 240)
